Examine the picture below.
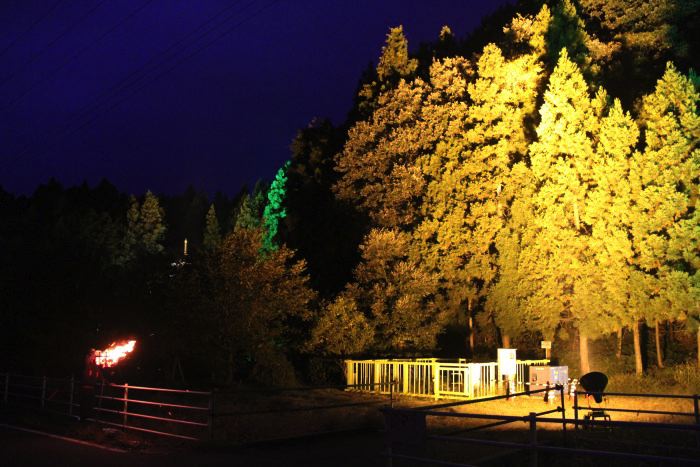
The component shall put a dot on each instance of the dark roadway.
(24, 449)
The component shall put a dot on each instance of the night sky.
(117, 89)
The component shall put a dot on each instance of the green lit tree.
(275, 210)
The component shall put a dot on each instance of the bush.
(687, 375)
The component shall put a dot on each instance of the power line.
(176, 64)
(54, 72)
(30, 28)
(52, 43)
(106, 95)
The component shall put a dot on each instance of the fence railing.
(407, 432)
(434, 377)
(176, 413)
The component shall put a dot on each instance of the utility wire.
(52, 43)
(54, 72)
(30, 28)
(156, 61)
(106, 95)
(179, 62)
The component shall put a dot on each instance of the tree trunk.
(618, 353)
(506, 341)
(583, 353)
(638, 365)
(699, 347)
(470, 320)
(659, 353)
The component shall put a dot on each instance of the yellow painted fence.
(433, 377)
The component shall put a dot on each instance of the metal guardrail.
(118, 407)
(407, 429)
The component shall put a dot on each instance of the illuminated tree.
(145, 229)
(558, 256)
(212, 231)
(665, 184)
(342, 329)
(394, 65)
(378, 174)
(529, 31)
(396, 296)
(259, 298)
(464, 206)
(274, 209)
(250, 212)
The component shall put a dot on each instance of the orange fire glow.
(111, 355)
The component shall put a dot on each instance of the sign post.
(547, 346)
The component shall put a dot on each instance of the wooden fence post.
(7, 387)
(696, 406)
(563, 411)
(533, 439)
(210, 418)
(43, 392)
(575, 410)
(70, 397)
(126, 403)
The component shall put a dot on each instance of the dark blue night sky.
(219, 118)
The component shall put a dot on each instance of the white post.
(376, 375)
(436, 378)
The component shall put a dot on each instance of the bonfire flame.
(114, 353)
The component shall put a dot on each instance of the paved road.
(18, 448)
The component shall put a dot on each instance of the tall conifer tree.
(666, 184)
(212, 231)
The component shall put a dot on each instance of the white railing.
(433, 377)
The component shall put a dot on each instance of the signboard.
(546, 344)
(506, 363)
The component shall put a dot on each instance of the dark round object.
(594, 383)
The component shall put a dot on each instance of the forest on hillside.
(536, 179)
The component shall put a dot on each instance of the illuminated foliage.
(396, 296)
(250, 211)
(665, 180)
(145, 229)
(342, 329)
(274, 209)
(394, 65)
(257, 298)
(558, 254)
(377, 168)
(465, 204)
